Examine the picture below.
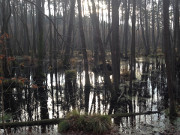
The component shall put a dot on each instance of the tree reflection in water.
(149, 93)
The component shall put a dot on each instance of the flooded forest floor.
(24, 102)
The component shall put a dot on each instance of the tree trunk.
(153, 28)
(55, 50)
(6, 14)
(98, 40)
(126, 26)
(158, 26)
(143, 31)
(86, 68)
(50, 57)
(68, 45)
(109, 22)
(132, 62)
(34, 31)
(168, 57)
(39, 77)
(176, 27)
(147, 28)
(115, 51)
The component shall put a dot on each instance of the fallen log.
(133, 114)
(32, 123)
(57, 121)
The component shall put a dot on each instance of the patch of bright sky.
(102, 9)
(47, 10)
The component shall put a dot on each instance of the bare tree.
(98, 40)
(168, 57)
(176, 27)
(115, 51)
(83, 42)
(126, 26)
(69, 36)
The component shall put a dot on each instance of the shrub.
(7, 117)
(63, 126)
(96, 124)
(70, 75)
(73, 118)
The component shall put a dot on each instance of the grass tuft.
(63, 126)
(95, 124)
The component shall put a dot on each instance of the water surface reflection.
(149, 94)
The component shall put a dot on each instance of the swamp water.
(149, 94)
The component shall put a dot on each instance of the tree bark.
(153, 28)
(39, 77)
(6, 14)
(176, 27)
(168, 57)
(133, 42)
(115, 53)
(133, 61)
(86, 68)
(126, 26)
(98, 40)
(69, 36)
(143, 31)
(147, 28)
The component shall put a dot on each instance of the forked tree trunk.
(98, 40)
